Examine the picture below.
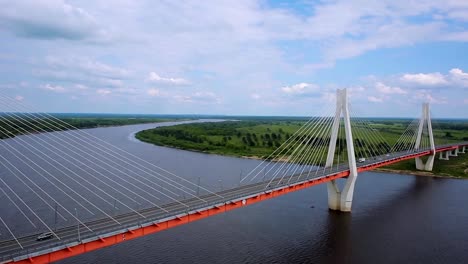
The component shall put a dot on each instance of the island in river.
(258, 138)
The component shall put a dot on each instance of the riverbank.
(455, 167)
(258, 139)
(236, 139)
(417, 173)
(28, 124)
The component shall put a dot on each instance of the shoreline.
(418, 173)
(382, 170)
(75, 128)
(201, 151)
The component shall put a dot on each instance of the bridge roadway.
(10, 251)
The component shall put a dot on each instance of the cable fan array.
(407, 142)
(61, 178)
(303, 155)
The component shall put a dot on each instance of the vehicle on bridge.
(45, 236)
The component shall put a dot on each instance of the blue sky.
(244, 57)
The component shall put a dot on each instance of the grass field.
(242, 138)
(259, 138)
(455, 166)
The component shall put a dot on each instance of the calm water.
(395, 219)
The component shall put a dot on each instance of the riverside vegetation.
(13, 125)
(259, 138)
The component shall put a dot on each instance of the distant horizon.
(222, 115)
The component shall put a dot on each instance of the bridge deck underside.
(178, 212)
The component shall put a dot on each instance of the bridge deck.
(107, 232)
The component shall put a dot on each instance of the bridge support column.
(334, 195)
(444, 155)
(425, 121)
(342, 200)
(454, 153)
(420, 165)
(462, 151)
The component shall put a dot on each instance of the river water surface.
(395, 218)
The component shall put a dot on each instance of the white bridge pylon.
(342, 200)
(425, 121)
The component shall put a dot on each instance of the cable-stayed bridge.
(82, 181)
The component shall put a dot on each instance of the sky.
(244, 57)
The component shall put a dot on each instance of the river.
(395, 218)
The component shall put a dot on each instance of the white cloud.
(300, 89)
(255, 96)
(112, 83)
(154, 92)
(426, 96)
(50, 19)
(53, 88)
(208, 97)
(21, 84)
(8, 86)
(383, 32)
(199, 97)
(126, 90)
(103, 92)
(425, 79)
(356, 89)
(435, 88)
(459, 77)
(81, 87)
(459, 14)
(329, 97)
(242, 46)
(84, 72)
(459, 73)
(156, 78)
(382, 88)
(355, 92)
(85, 65)
(454, 78)
(375, 99)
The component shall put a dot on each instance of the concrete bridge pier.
(334, 195)
(420, 165)
(462, 151)
(342, 200)
(444, 155)
(454, 153)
